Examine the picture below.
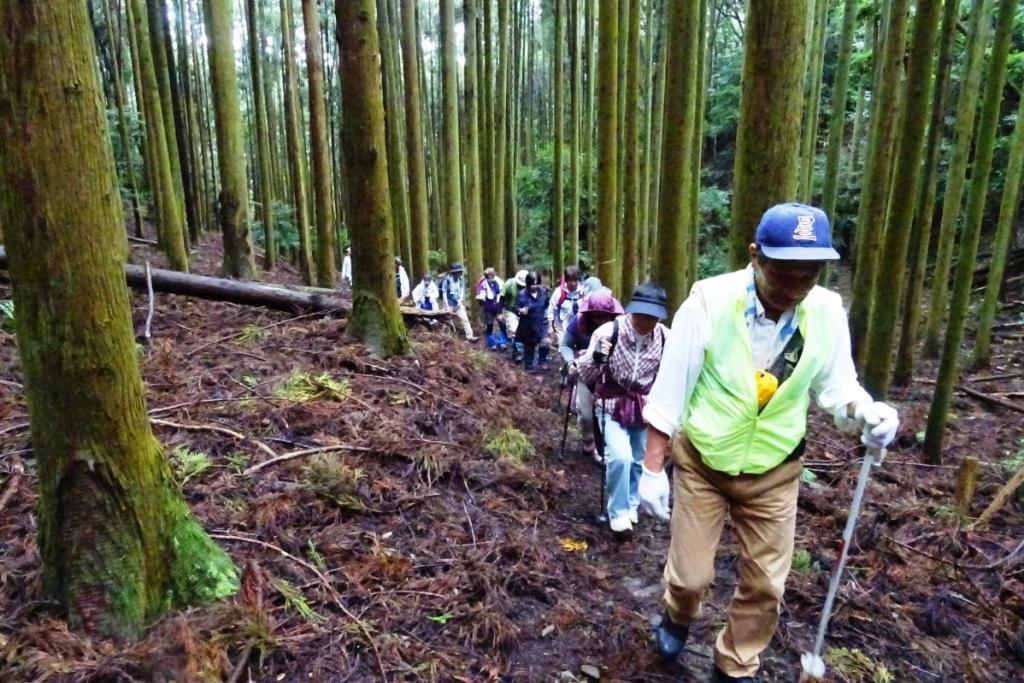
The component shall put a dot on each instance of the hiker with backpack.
(621, 364)
(401, 280)
(453, 294)
(488, 293)
(596, 310)
(425, 296)
(509, 295)
(745, 353)
(531, 307)
(565, 302)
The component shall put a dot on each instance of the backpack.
(615, 338)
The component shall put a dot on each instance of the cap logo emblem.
(805, 229)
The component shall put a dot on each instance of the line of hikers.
(723, 398)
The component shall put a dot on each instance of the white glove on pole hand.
(653, 491)
(879, 423)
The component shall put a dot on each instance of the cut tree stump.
(278, 297)
(966, 481)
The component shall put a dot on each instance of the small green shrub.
(803, 562)
(303, 386)
(856, 667)
(511, 445)
(294, 600)
(189, 464)
(253, 334)
(329, 477)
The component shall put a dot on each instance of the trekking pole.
(565, 425)
(813, 664)
(602, 515)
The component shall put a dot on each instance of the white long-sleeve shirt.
(834, 387)
(346, 269)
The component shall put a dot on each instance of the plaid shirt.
(634, 361)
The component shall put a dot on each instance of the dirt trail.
(424, 553)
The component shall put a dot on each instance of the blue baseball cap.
(795, 232)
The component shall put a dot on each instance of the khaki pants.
(763, 512)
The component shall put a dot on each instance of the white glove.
(653, 491)
(879, 422)
(572, 370)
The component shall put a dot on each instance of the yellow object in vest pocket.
(767, 383)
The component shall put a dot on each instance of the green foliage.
(808, 476)
(803, 562)
(315, 555)
(294, 601)
(713, 233)
(285, 230)
(189, 464)
(437, 261)
(511, 445)
(854, 666)
(253, 334)
(237, 462)
(303, 386)
(442, 618)
(7, 314)
(328, 476)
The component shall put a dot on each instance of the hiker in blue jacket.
(531, 305)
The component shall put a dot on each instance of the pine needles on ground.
(328, 477)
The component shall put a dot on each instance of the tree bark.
(1008, 210)
(323, 189)
(837, 117)
(418, 208)
(922, 227)
(949, 366)
(296, 142)
(963, 138)
(888, 285)
(172, 228)
(266, 184)
(607, 143)
(631, 195)
(117, 543)
(768, 137)
(474, 226)
(375, 316)
(557, 215)
(233, 199)
(873, 201)
(573, 247)
(498, 227)
(815, 68)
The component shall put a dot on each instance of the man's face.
(489, 276)
(571, 285)
(784, 284)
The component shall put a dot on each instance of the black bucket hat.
(649, 299)
(455, 268)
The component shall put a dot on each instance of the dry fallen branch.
(305, 452)
(1009, 405)
(219, 430)
(1002, 496)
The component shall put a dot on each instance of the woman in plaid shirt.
(621, 364)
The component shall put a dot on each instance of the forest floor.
(410, 535)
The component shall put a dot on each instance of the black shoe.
(670, 638)
(719, 676)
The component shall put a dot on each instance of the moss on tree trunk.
(375, 316)
(117, 543)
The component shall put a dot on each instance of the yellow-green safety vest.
(723, 421)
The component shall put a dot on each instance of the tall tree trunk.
(296, 142)
(122, 119)
(156, 13)
(266, 184)
(589, 35)
(768, 138)
(557, 218)
(474, 226)
(701, 88)
(418, 209)
(233, 198)
(118, 546)
(631, 195)
(857, 134)
(963, 136)
(375, 316)
(657, 145)
(172, 228)
(815, 68)
(393, 116)
(498, 228)
(323, 189)
(837, 117)
(888, 285)
(921, 234)
(574, 134)
(189, 105)
(452, 205)
(150, 176)
(949, 366)
(873, 200)
(607, 143)
(488, 135)
(671, 261)
(1001, 242)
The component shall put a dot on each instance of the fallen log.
(277, 297)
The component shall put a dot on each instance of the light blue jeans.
(624, 457)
